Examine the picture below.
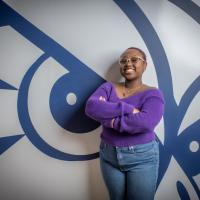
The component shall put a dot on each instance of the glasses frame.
(129, 60)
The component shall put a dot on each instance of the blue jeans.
(130, 172)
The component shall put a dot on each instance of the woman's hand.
(112, 123)
(135, 110)
(101, 98)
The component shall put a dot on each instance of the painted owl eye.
(50, 91)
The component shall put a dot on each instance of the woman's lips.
(129, 70)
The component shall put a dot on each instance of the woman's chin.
(129, 77)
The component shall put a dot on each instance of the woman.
(129, 112)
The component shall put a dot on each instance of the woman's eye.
(134, 60)
(123, 61)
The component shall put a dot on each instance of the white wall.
(95, 33)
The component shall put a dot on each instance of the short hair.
(142, 52)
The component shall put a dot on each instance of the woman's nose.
(128, 62)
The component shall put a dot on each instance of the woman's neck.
(133, 83)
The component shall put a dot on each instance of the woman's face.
(132, 64)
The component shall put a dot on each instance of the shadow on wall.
(97, 189)
(113, 73)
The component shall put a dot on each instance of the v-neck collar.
(135, 94)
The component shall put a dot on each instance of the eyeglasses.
(124, 61)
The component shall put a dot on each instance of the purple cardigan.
(129, 128)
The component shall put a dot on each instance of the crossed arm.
(122, 116)
(135, 110)
(100, 109)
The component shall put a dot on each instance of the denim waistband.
(103, 144)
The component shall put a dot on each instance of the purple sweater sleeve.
(105, 111)
(144, 121)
